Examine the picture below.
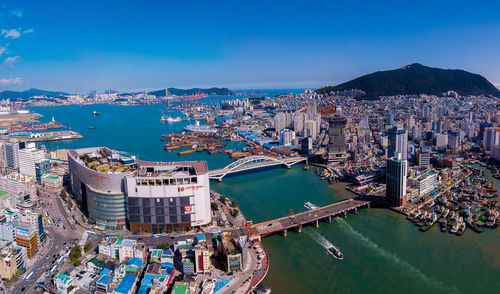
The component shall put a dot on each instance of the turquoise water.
(383, 252)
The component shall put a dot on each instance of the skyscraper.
(397, 142)
(396, 181)
(491, 137)
(336, 142)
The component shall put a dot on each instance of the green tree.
(87, 247)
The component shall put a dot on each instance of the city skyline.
(93, 46)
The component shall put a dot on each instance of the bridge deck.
(292, 221)
(253, 165)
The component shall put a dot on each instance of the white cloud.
(16, 13)
(3, 50)
(10, 82)
(11, 60)
(13, 33)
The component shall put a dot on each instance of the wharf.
(50, 136)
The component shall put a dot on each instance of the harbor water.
(383, 251)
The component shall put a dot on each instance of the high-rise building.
(306, 145)
(202, 259)
(336, 138)
(397, 142)
(396, 180)
(29, 157)
(310, 129)
(390, 119)
(491, 137)
(298, 123)
(424, 158)
(11, 154)
(287, 137)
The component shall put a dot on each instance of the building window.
(194, 180)
(147, 219)
(165, 182)
(146, 210)
(160, 219)
(159, 211)
(145, 202)
(151, 182)
(158, 182)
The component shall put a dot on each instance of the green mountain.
(417, 79)
(14, 95)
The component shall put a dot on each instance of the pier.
(313, 216)
(253, 163)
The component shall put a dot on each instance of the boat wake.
(319, 239)
(346, 227)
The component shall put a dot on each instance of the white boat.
(23, 111)
(197, 128)
(310, 206)
(173, 119)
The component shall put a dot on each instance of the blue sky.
(79, 46)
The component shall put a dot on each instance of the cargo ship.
(96, 113)
(310, 206)
(335, 252)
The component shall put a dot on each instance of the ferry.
(96, 113)
(335, 252)
(310, 206)
(197, 128)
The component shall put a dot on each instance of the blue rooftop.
(126, 284)
(104, 271)
(200, 237)
(135, 262)
(104, 279)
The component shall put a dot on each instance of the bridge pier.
(284, 233)
(300, 229)
(317, 223)
(345, 214)
(330, 219)
(355, 210)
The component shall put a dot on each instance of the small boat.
(335, 252)
(91, 127)
(310, 206)
(96, 113)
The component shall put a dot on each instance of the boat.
(444, 226)
(163, 119)
(461, 229)
(310, 206)
(335, 252)
(23, 111)
(91, 127)
(96, 113)
(197, 128)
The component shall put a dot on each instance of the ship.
(91, 127)
(197, 128)
(335, 252)
(310, 206)
(173, 119)
(96, 113)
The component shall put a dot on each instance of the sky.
(80, 46)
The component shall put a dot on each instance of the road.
(63, 236)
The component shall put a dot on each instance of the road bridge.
(253, 163)
(313, 216)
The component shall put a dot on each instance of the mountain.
(14, 95)
(417, 79)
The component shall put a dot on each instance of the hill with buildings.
(20, 95)
(417, 79)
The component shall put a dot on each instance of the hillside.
(29, 93)
(417, 79)
(193, 91)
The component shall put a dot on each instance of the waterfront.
(384, 252)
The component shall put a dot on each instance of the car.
(269, 224)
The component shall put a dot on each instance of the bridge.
(313, 216)
(251, 163)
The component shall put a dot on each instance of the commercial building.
(150, 196)
(36, 219)
(202, 259)
(27, 237)
(337, 139)
(397, 142)
(396, 181)
(287, 137)
(8, 267)
(29, 157)
(63, 282)
(424, 158)
(425, 183)
(10, 152)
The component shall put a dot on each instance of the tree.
(223, 198)
(214, 206)
(236, 212)
(233, 202)
(87, 247)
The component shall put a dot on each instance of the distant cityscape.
(97, 220)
